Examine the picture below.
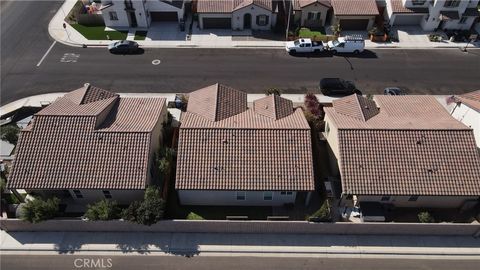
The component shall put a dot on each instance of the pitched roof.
(80, 147)
(299, 4)
(412, 146)
(258, 149)
(355, 7)
(228, 6)
(217, 102)
(398, 7)
(471, 99)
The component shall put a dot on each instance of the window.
(327, 128)
(413, 198)
(318, 16)
(310, 16)
(107, 194)
(241, 195)
(262, 20)
(113, 16)
(267, 196)
(463, 20)
(308, 45)
(385, 198)
(418, 2)
(286, 193)
(452, 3)
(78, 194)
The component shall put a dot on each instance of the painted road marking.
(156, 62)
(45, 55)
(69, 58)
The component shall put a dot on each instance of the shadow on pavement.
(139, 51)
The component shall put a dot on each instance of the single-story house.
(230, 154)
(467, 111)
(402, 151)
(236, 14)
(134, 13)
(311, 13)
(89, 145)
(354, 14)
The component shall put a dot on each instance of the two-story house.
(433, 14)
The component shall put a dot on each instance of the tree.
(37, 210)
(9, 133)
(164, 166)
(3, 184)
(103, 210)
(425, 217)
(147, 212)
(322, 214)
(336, 29)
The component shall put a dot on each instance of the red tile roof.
(412, 146)
(299, 4)
(355, 7)
(471, 99)
(79, 142)
(228, 6)
(259, 149)
(398, 7)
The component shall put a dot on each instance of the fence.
(220, 226)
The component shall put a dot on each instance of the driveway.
(165, 31)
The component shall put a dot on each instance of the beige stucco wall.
(422, 201)
(332, 135)
(252, 198)
(238, 16)
(313, 8)
(469, 117)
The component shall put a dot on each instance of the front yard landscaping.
(140, 35)
(316, 35)
(99, 33)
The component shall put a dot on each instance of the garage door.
(164, 16)
(408, 19)
(222, 23)
(360, 24)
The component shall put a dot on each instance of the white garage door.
(408, 19)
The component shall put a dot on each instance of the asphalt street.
(62, 262)
(31, 64)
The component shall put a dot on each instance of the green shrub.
(3, 184)
(147, 212)
(194, 216)
(9, 133)
(103, 210)
(38, 210)
(322, 214)
(425, 217)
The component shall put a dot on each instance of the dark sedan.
(337, 87)
(123, 46)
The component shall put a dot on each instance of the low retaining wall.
(221, 226)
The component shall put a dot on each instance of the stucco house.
(232, 154)
(236, 14)
(141, 13)
(433, 15)
(89, 145)
(311, 13)
(467, 111)
(402, 151)
(354, 14)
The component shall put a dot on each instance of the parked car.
(393, 91)
(123, 46)
(348, 44)
(337, 87)
(304, 45)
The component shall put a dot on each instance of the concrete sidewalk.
(190, 244)
(168, 36)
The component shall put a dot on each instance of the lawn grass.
(99, 33)
(307, 33)
(140, 35)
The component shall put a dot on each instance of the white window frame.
(265, 193)
(262, 20)
(113, 15)
(244, 195)
(286, 193)
(451, 3)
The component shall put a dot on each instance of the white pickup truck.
(304, 45)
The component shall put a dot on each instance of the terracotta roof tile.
(354, 7)
(228, 6)
(411, 147)
(247, 151)
(273, 106)
(299, 4)
(88, 150)
(398, 7)
(471, 99)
